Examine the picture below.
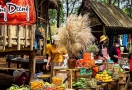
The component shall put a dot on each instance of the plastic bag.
(23, 79)
(20, 77)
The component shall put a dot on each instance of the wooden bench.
(1, 68)
(45, 77)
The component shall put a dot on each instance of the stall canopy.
(110, 18)
(111, 15)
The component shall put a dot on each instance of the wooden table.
(39, 63)
(66, 70)
(124, 79)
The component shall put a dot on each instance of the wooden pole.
(5, 35)
(33, 28)
(9, 36)
(26, 35)
(104, 30)
(18, 38)
(32, 65)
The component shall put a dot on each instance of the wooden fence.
(20, 36)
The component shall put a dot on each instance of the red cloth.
(17, 18)
(118, 52)
(131, 63)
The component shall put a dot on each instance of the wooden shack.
(17, 30)
(106, 19)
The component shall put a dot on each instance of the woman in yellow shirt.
(56, 54)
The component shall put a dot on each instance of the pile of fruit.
(16, 87)
(54, 87)
(92, 83)
(104, 76)
(38, 84)
(57, 80)
(80, 83)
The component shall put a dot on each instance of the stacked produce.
(86, 62)
(83, 83)
(38, 84)
(54, 87)
(57, 80)
(92, 83)
(16, 87)
(80, 83)
(104, 76)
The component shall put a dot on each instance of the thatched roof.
(111, 15)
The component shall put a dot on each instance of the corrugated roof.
(111, 15)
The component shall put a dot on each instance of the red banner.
(17, 12)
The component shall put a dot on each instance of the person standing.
(115, 52)
(103, 50)
(56, 56)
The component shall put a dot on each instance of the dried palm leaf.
(76, 35)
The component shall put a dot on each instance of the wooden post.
(18, 38)
(32, 65)
(32, 36)
(26, 35)
(104, 30)
(9, 36)
(5, 35)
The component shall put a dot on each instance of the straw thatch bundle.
(76, 35)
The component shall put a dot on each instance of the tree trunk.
(119, 3)
(110, 1)
(67, 8)
(58, 17)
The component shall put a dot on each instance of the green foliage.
(92, 48)
(128, 11)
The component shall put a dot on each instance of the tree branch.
(114, 2)
(67, 8)
(73, 6)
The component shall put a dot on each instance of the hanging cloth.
(21, 12)
(124, 40)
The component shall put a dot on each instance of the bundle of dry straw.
(76, 35)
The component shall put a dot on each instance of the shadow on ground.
(6, 79)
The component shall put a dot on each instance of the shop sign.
(20, 12)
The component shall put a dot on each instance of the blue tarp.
(124, 40)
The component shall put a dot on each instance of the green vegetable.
(80, 83)
(16, 87)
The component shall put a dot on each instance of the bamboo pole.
(26, 35)
(18, 38)
(5, 34)
(22, 34)
(1, 38)
(1, 34)
(33, 27)
(9, 36)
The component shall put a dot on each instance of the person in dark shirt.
(115, 52)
